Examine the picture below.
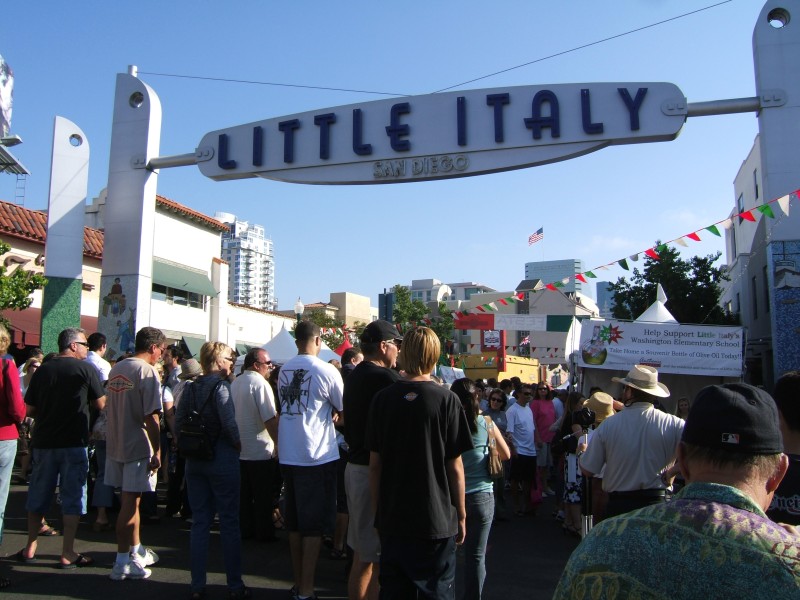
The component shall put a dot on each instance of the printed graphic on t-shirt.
(119, 383)
(294, 396)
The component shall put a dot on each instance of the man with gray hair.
(257, 419)
(714, 538)
(59, 398)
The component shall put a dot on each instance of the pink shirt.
(544, 415)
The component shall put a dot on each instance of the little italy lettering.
(437, 136)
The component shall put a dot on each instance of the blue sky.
(599, 208)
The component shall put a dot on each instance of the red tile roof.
(24, 223)
(171, 205)
(27, 224)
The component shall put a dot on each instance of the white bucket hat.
(644, 378)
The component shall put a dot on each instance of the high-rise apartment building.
(251, 276)
(550, 271)
(605, 298)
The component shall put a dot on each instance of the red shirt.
(12, 406)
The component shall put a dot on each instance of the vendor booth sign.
(669, 347)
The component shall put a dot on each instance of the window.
(754, 294)
(766, 289)
(755, 182)
(740, 203)
(738, 303)
(179, 297)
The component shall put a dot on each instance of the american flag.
(535, 237)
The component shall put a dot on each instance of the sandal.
(81, 561)
(277, 519)
(20, 557)
(47, 531)
(4, 583)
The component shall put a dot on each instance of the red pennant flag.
(503, 301)
(748, 216)
(521, 295)
(480, 308)
(652, 254)
(551, 287)
(460, 315)
(580, 277)
(693, 236)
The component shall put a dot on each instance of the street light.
(299, 307)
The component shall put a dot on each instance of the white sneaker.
(148, 558)
(132, 570)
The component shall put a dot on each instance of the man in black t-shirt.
(416, 434)
(380, 343)
(58, 398)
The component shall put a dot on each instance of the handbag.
(495, 465)
(194, 441)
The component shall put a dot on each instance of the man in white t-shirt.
(310, 392)
(520, 438)
(97, 348)
(257, 419)
(133, 437)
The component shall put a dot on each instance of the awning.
(180, 277)
(26, 326)
(193, 345)
(242, 349)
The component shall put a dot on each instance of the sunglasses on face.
(85, 344)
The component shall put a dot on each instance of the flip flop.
(48, 531)
(20, 557)
(81, 561)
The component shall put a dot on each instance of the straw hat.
(644, 378)
(602, 405)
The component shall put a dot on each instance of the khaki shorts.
(361, 534)
(134, 476)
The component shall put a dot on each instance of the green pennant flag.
(661, 248)
(558, 284)
(624, 264)
(713, 229)
(766, 209)
(590, 274)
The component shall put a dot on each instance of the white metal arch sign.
(440, 136)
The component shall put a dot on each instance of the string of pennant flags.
(752, 215)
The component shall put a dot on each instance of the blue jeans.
(8, 450)
(480, 512)
(103, 495)
(214, 488)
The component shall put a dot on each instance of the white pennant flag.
(682, 242)
(783, 202)
(727, 224)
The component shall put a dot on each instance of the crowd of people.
(389, 467)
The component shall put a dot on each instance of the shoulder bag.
(495, 465)
(194, 440)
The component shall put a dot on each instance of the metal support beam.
(723, 107)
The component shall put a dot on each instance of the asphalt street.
(525, 558)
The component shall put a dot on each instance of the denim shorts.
(66, 468)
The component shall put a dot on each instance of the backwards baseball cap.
(379, 331)
(735, 417)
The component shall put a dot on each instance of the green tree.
(408, 311)
(332, 339)
(442, 324)
(16, 289)
(692, 287)
(405, 309)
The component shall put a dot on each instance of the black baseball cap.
(379, 331)
(735, 417)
